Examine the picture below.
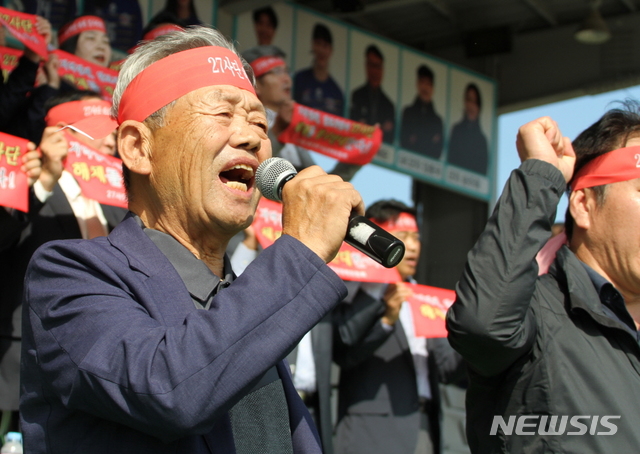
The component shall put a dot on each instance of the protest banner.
(14, 184)
(86, 75)
(350, 264)
(429, 307)
(9, 61)
(23, 27)
(99, 175)
(345, 140)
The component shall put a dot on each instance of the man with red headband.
(144, 341)
(388, 398)
(554, 359)
(57, 210)
(273, 87)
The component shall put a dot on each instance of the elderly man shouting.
(143, 341)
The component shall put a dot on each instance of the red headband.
(73, 111)
(404, 223)
(618, 165)
(263, 65)
(79, 25)
(168, 79)
(161, 30)
(153, 34)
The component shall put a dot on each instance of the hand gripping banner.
(14, 185)
(99, 175)
(23, 27)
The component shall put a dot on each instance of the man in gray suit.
(388, 399)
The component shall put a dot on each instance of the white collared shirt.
(82, 207)
(417, 345)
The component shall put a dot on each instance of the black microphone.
(362, 234)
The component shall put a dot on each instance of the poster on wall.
(438, 120)
(373, 78)
(319, 79)
(469, 154)
(268, 25)
(422, 127)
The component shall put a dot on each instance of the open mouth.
(100, 58)
(240, 177)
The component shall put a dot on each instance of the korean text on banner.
(14, 184)
(99, 175)
(345, 140)
(429, 308)
(350, 264)
(9, 60)
(86, 75)
(23, 27)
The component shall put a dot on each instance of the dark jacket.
(371, 105)
(22, 234)
(540, 347)
(378, 402)
(422, 129)
(116, 358)
(468, 147)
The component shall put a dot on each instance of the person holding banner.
(388, 398)
(16, 92)
(11, 222)
(273, 86)
(144, 341)
(554, 358)
(87, 38)
(57, 210)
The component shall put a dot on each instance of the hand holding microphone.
(319, 209)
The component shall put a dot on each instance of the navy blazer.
(116, 358)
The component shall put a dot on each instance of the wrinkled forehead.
(218, 95)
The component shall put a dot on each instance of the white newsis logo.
(555, 425)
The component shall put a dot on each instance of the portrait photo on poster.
(320, 75)
(373, 75)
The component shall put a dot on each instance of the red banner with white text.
(86, 75)
(345, 140)
(23, 27)
(429, 309)
(350, 264)
(14, 185)
(99, 175)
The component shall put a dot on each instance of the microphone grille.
(270, 175)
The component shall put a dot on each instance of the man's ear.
(134, 146)
(581, 203)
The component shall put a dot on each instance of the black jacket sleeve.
(14, 92)
(491, 323)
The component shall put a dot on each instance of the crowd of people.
(142, 330)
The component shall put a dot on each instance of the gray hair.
(151, 51)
